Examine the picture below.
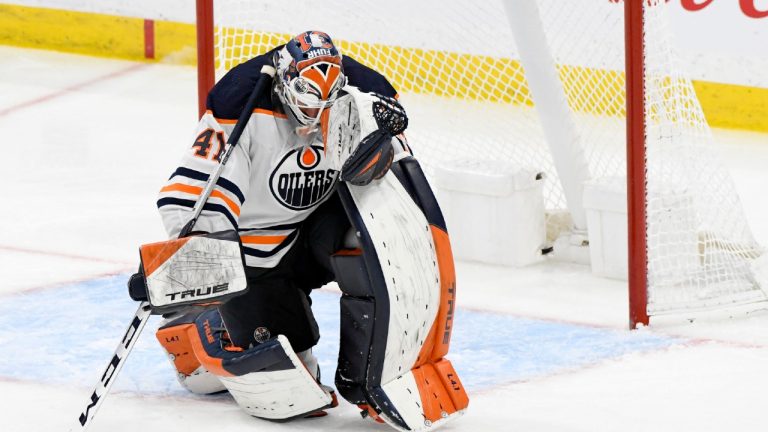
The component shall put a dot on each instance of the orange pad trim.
(153, 255)
(176, 342)
(213, 364)
(425, 353)
(452, 384)
(439, 338)
(444, 322)
(435, 398)
(439, 386)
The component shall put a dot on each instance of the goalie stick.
(143, 312)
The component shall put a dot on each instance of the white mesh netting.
(457, 69)
(699, 243)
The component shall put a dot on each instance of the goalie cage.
(563, 111)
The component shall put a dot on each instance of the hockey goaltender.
(321, 186)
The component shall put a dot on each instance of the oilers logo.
(297, 184)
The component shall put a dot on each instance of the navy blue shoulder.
(228, 97)
(365, 78)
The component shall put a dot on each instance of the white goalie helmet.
(309, 76)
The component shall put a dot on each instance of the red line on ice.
(70, 89)
(62, 255)
(57, 284)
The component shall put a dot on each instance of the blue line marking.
(66, 335)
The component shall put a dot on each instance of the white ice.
(87, 143)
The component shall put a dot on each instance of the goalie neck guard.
(309, 76)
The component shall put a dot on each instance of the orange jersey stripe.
(196, 190)
(263, 240)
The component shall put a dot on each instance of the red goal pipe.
(636, 168)
(206, 75)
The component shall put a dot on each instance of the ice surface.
(90, 314)
(87, 144)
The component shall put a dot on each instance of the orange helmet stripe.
(323, 82)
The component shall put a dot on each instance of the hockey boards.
(398, 303)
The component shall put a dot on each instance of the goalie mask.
(309, 76)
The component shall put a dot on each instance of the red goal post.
(206, 70)
(635, 90)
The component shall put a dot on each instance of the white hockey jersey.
(272, 181)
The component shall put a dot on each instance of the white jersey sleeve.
(183, 189)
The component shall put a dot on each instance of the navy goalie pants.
(278, 300)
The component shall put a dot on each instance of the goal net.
(541, 84)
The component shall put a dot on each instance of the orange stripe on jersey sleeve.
(196, 190)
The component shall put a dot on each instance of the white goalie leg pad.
(268, 381)
(280, 394)
(403, 276)
(309, 361)
(201, 382)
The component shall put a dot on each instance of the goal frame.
(206, 67)
(635, 145)
(634, 50)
